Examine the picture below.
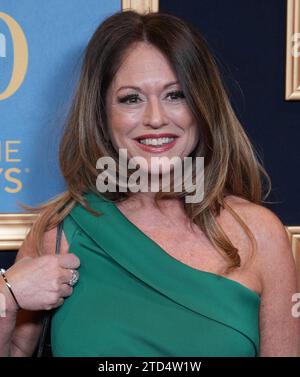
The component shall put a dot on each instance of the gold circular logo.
(20, 60)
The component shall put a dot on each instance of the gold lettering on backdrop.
(20, 61)
(10, 178)
(9, 151)
(10, 175)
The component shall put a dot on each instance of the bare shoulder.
(255, 213)
(268, 230)
(274, 256)
(49, 242)
(279, 329)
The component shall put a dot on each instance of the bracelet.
(2, 273)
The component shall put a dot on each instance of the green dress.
(135, 299)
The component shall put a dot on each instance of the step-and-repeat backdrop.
(41, 48)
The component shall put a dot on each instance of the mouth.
(156, 143)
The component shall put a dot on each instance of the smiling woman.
(150, 116)
(159, 276)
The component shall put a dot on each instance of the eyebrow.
(138, 88)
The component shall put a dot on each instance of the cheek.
(181, 116)
(195, 131)
(121, 125)
(118, 122)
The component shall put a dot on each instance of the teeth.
(160, 141)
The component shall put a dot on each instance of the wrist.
(8, 301)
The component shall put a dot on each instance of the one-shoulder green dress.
(135, 299)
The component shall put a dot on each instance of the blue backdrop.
(34, 97)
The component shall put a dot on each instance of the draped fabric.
(135, 299)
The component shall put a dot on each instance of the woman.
(158, 276)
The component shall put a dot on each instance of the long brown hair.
(231, 163)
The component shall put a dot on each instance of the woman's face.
(147, 111)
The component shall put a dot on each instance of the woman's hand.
(41, 283)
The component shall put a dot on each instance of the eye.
(176, 94)
(129, 98)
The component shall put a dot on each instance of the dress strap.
(70, 228)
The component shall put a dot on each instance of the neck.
(145, 201)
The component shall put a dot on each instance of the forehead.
(144, 63)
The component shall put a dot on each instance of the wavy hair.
(231, 164)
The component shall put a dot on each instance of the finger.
(69, 261)
(60, 301)
(66, 275)
(66, 290)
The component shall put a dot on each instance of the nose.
(154, 115)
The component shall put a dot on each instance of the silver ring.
(74, 279)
